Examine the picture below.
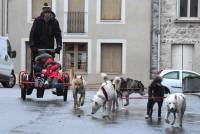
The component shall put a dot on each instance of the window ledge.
(187, 20)
(112, 73)
(75, 34)
(81, 73)
(110, 22)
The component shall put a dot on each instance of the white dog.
(176, 104)
(106, 97)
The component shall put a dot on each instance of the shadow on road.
(174, 130)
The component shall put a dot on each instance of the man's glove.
(57, 50)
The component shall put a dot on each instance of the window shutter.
(76, 5)
(111, 57)
(111, 9)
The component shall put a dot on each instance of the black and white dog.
(176, 104)
(126, 87)
(106, 97)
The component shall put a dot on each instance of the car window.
(172, 75)
(8, 47)
(186, 74)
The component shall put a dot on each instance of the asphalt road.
(51, 115)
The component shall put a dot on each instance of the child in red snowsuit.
(48, 68)
(51, 69)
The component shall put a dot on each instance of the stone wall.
(176, 31)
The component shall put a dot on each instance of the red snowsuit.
(51, 69)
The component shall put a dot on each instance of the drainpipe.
(159, 31)
(2, 17)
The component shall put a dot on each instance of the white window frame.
(29, 10)
(188, 12)
(89, 52)
(66, 34)
(98, 15)
(99, 43)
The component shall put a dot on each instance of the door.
(182, 57)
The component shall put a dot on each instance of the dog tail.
(117, 83)
(104, 76)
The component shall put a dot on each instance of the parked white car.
(7, 75)
(173, 79)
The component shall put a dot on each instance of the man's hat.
(46, 6)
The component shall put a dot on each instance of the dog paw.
(126, 104)
(167, 121)
(82, 103)
(105, 116)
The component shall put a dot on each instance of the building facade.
(111, 36)
(179, 35)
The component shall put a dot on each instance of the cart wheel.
(65, 93)
(40, 93)
(29, 91)
(23, 93)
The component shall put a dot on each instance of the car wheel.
(11, 82)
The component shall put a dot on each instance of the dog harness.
(105, 93)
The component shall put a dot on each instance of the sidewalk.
(196, 94)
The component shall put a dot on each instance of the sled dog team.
(111, 92)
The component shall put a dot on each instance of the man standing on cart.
(43, 32)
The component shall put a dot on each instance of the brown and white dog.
(78, 86)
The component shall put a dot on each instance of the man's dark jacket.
(42, 33)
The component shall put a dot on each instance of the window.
(186, 74)
(189, 8)
(76, 56)
(76, 16)
(172, 75)
(110, 9)
(183, 8)
(37, 7)
(111, 57)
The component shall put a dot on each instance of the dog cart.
(44, 75)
